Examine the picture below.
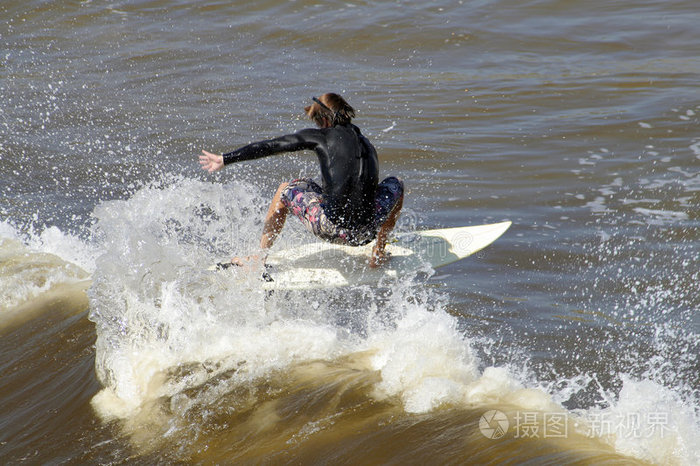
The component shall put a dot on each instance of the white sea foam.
(660, 217)
(648, 421)
(33, 263)
(423, 360)
(156, 308)
(7, 231)
(695, 148)
(68, 247)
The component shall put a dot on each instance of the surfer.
(350, 206)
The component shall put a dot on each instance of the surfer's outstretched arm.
(304, 139)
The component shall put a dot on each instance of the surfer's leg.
(378, 256)
(274, 220)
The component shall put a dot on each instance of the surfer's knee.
(282, 187)
(277, 199)
(397, 186)
(399, 201)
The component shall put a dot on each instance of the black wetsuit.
(349, 169)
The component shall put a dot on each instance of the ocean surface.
(574, 338)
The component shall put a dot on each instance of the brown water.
(575, 120)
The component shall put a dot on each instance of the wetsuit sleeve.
(305, 139)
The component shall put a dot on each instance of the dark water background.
(576, 120)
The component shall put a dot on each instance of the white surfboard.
(326, 265)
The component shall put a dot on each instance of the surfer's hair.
(331, 107)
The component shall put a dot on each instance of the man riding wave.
(350, 206)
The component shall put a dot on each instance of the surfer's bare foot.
(248, 261)
(378, 258)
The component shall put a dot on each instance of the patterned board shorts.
(303, 197)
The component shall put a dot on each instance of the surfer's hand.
(211, 162)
